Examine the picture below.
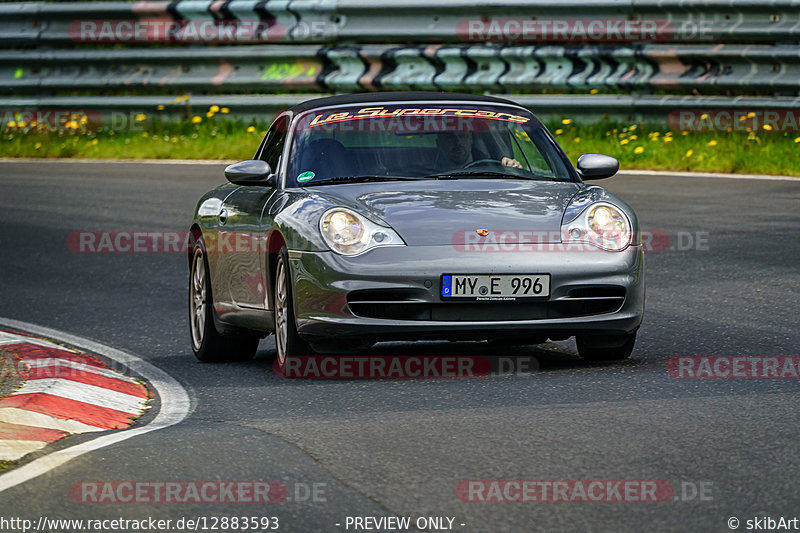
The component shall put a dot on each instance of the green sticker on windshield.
(305, 176)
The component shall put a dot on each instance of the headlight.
(348, 233)
(603, 225)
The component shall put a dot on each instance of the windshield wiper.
(357, 179)
(462, 174)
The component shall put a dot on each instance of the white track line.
(663, 173)
(7, 338)
(700, 175)
(175, 404)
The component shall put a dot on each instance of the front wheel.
(208, 344)
(605, 347)
(287, 342)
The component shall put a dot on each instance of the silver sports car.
(409, 215)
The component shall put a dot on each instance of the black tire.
(208, 344)
(605, 347)
(287, 342)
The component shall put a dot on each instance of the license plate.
(492, 287)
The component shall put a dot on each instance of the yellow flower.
(37, 146)
(214, 109)
(667, 139)
(623, 142)
(224, 110)
(594, 91)
(12, 124)
(160, 107)
(742, 117)
(752, 137)
(576, 140)
(712, 142)
(251, 129)
(140, 117)
(93, 142)
(638, 150)
(196, 119)
(751, 114)
(174, 139)
(797, 139)
(767, 127)
(145, 134)
(71, 125)
(559, 131)
(84, 119)
(704, 116)
(634, 137)
(684, 133)
(689, 153)
(566, 121)
(22, 124)
(209, 114)
(632, 127)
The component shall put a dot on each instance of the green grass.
(637, 146)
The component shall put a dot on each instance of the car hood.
(443, 212)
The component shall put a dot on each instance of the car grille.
(410, 304)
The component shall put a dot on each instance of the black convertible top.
(396, 96)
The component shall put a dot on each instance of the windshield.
(415, 141)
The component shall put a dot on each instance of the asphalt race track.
(401, 447)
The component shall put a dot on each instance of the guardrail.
(669, 111)
(752, 68)
(421, 21)
(734, 50)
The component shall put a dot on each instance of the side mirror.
(597, 166)
(251, 172)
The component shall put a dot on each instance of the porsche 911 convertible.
(406, 216)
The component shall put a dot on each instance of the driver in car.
(455, 150)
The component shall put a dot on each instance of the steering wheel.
(481, 161)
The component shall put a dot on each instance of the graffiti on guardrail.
(499, 68)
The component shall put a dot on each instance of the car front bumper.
(591, 291)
